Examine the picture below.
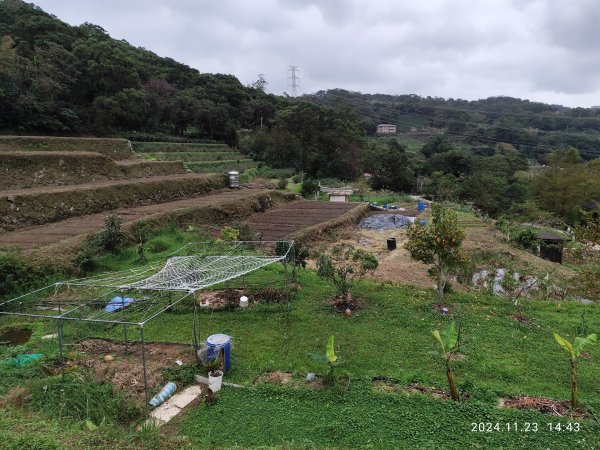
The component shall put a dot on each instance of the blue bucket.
(421, 206)
(217, 343)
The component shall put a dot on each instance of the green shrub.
(86, 259)
(525, 238)
(309, 188)
(245, 232)
(230, 234)
(16, 274)
(282, 184)
(297, 178)
(111, 237)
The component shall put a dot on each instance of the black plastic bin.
(391, 244)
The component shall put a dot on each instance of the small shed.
(339, 195)
(551, 246)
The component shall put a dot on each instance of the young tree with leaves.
(343, 265)
(330, 359)
(438, 244)
(447, 340)
(575, 350)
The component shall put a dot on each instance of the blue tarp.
(118, 303)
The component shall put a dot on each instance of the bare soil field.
(292, 217)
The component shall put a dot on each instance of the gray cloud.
(538, 49)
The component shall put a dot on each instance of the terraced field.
(56, 191)
(201, 158)
(53, 233)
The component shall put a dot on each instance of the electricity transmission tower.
(293, 79)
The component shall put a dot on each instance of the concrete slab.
(186, 397)
(165, 412)
(173, 406)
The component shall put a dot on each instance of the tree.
(309, 188)
(566, 185)
(486, 192)
(447, 340)
(443, 186)
(575, 350)
(436, 144)
(343, 265)
(587, 232)
(260, 84)
(389, 163)
(438, 244)
(455, 162)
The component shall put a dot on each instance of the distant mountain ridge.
(535, 128)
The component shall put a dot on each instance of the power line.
(294, 79)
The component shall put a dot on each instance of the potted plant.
(215, 380)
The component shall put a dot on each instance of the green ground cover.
(390, 336)
(152, 147)
(194, 156)
(220, 166)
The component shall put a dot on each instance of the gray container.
(234, 179)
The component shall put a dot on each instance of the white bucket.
(243, 301)
(215, 380)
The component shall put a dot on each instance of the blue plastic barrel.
(385, 206)
(421, 206)
(217, 343)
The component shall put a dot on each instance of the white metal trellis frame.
(153, 288)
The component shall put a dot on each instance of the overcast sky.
(544, 50)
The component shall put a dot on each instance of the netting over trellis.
(186, 273)
(137, 295)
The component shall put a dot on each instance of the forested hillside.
(535, 129)
(56, 78)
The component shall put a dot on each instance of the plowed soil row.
(52, 233)
(291, 217)
(96, 184)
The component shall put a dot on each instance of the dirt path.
(96, 184)
(55, 232)
(291, 217)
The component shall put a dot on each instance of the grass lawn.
(389, 337)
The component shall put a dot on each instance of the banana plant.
(574, 350)
(330, 359)
(447, 340)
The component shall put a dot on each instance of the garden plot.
(110, 361)
(293, 217)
